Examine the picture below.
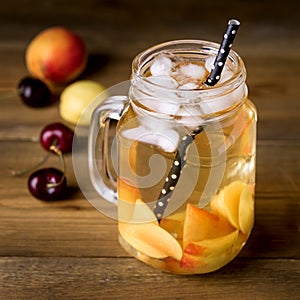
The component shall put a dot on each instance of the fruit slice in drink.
(235, 202)
(246, 210)
(144, 234)
(174, 224)
(127, 196)
(210, 254)
(200, 224)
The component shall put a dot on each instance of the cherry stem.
(58, 152)
(26, 171)
(61, 157)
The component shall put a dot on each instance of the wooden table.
(67, 249)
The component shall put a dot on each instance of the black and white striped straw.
(223, 52)
(180, 156)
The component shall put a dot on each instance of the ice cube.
(209, 63)
(190, 116)
(155, 87)
(162, 65)
(159, 96)
(193, 71)
(187, 92)
(164, 107)
(216, 105)
(163, 81)
(193, 111)
(225, 75)
(160, 105)
(188, 86)
(222, 102)
(166, 140)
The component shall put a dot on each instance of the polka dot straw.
(174, 173)
(224, 49)
(180, 161)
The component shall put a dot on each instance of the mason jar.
(185, 167)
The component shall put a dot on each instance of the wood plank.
(190, 11)
(67, 249)
(278, 166)
(276, 100)
(117, 278)
(74, 228)
(273, 86)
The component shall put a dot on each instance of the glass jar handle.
(102, 177)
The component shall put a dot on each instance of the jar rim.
(209, 101)
(201, 46)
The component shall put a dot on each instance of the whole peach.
(56, 55)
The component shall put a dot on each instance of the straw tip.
(234, 22)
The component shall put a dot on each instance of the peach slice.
(145, 235)
(202, 257)
(200, 224)
(210, 254)
(246, 210)
(174, 224)
(226, 202)
(127, 197)
(151, 240)
(143, 214)
(235, 202)
(127, 191)
(132, 155)
(215, 246)
(131, 208)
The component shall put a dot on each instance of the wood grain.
(96, 278)
(69, 250)
(73, 227)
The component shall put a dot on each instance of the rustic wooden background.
(67, 249)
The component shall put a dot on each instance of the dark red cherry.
(59, 135)
(34, 92)
(47, 184)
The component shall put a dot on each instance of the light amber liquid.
(238, 134)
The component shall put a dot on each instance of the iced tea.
(197, 217)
